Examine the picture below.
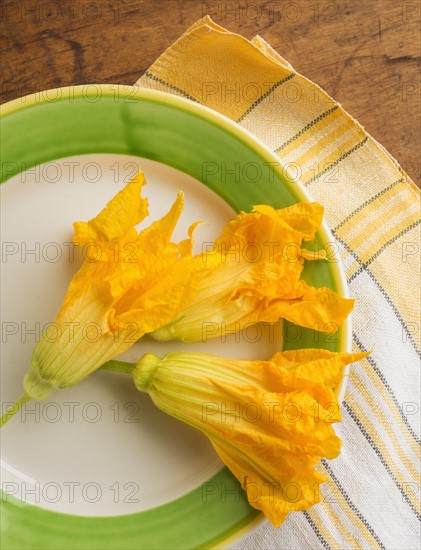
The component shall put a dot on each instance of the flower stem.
(119, 366)
(14, 409)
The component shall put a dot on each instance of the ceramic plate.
(97, 466)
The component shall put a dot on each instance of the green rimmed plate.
(109, 471)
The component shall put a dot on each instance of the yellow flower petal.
(161, 301)
(156, 237)
(252, 274)
(308, 366)
(274, 498)
(138, 283)
(304, 217)
(269, 421)
(316, 308)
(186, 246)
(121, 214)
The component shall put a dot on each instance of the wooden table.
(363, 52)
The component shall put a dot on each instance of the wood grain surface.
(365, 53)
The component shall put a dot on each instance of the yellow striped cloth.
(372, 498)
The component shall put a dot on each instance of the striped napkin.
(372, 498)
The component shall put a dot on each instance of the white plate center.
(100, 448)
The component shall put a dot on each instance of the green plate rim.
(13, 507)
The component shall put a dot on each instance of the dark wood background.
(363, 52)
